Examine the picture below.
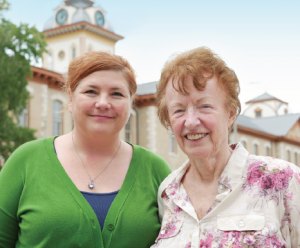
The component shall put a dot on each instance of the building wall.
(174, 159)
(36, 107)
(250, 141)
(81, 40)
(142, 131)
(40, 109)
(67, 123)
(277, 149)
(155, 137)
(294, 133)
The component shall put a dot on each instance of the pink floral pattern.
(260, 175)
(265, 186)
(245, 239)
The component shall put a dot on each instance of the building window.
(258, 113)
(172, 143)
(255, 149)
(267, 151)
(128, 131)
(73, 52)
(286, 111)
(288, 156)
(57, 118)
(23, 118)
(49, 61)
(244, 143)
(296, 158)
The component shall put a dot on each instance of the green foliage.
(19, 46)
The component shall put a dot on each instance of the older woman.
(87, 188)
(222, 196)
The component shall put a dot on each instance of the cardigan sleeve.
(11, 186)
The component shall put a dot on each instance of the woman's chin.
(198, 153)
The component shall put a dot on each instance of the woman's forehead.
(210, 89)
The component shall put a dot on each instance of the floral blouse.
(258, 205)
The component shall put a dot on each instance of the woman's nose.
(102, 102)
(192, 119)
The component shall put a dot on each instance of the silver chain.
(91, 185)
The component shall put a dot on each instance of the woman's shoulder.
(276, 172)
(147, 155)
(29, 149)
(151, 161)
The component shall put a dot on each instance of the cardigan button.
(110, 227)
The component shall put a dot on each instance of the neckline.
(99, 194)
(120, 199)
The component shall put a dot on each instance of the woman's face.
(101, 103)
(200, 120)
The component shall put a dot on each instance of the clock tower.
(77, 27)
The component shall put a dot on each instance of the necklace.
(91, 184)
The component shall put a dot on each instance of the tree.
(19, 46)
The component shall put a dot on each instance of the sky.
(258, 39)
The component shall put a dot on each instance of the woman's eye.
(178, 111)
(117, 94)
(90, 92)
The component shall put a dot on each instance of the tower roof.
(146, 89)
(264, 97)
(274, 125)
(79, 3)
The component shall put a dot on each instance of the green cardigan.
(41, 207)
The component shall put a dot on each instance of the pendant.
(91, 185)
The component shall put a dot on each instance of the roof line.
(82, 26)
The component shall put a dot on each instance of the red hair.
(197, 63)
(90, 62)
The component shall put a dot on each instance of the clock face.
(61, 16)
(99, 18)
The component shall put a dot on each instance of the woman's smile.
(196, 137)
(102, 117)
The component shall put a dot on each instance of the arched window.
(267, 151)
(49, 61)
(255, 148)
(128, 130)
(288, 156)
(73, 52)
(296, 158)
(57, 118)
(23, 118)
(258, 113)
(244, 143)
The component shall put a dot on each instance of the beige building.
(265, 128)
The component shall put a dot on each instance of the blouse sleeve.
(292, 211)
(11, 185)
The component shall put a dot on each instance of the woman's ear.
(70, 100)
(232, 117)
